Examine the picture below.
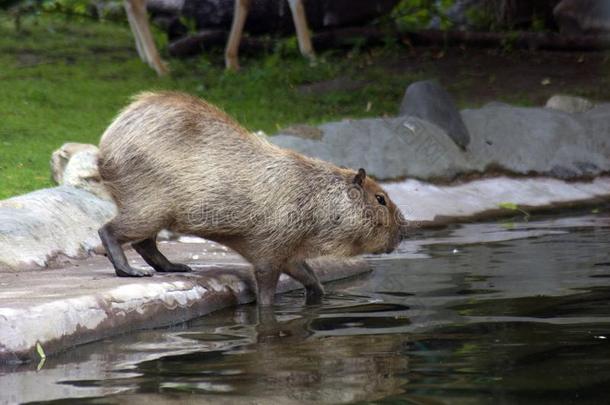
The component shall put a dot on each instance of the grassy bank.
(62, 80)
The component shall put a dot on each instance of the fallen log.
(332, 39)
(369, 36)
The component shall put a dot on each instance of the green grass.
(63, 80)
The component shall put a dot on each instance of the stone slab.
(426, 204)
(84, 301)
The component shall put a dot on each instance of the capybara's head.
(376, 223)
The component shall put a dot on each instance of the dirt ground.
(477, 76)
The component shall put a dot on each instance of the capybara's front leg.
(150, 253)
(266, 276)
(115, 253)
(304, 274)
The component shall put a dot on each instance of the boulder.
(75, 164)
(539, 141)
(44, 227)
(569, 104)
(519, 140)
(478, 14)
(60, 158)
(577, 17)
(165, 6)
(389, 148)
(429, 101)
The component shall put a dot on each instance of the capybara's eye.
(380, 199)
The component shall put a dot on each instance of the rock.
(75, 164)
(389, 148)
(429, 101)
(165, 6)
(479, 14)
(342, 13)
(172, 25)
(45, 226)
(85, 301)
(519, 140)
(60, 158)
(577, 17)
(539, 140)
(569, 104)
(425, 204)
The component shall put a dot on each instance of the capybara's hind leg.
(150, 253)
(112, 243)
(267, 277)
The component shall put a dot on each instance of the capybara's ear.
(360, 176)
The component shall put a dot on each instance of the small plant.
(419, 14)
(514, 207)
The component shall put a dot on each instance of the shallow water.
(495, 312)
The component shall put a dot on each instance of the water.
(484, 313)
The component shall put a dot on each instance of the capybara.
(173, 161)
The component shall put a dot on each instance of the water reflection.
(511, 320)
(284, 363)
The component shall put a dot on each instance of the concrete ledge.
(425, 204)
(85, 301)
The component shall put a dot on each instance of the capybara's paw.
(176, 268)
(314, 294)
(131, 272)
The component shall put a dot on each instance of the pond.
(502, 312)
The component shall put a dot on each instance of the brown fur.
(174, 161)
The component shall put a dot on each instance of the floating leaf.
(509, 206)
(40, 351)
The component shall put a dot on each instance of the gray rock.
(83, 302)
(61, 156)
(539, 140)
(569, 104)
(479, 14)
(516, 139)
(388, 148)
(165, 6)
(75, 164)
(42, 227)
(429, 101)
(577, 17)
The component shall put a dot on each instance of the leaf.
(40, 351)
(509, 206)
